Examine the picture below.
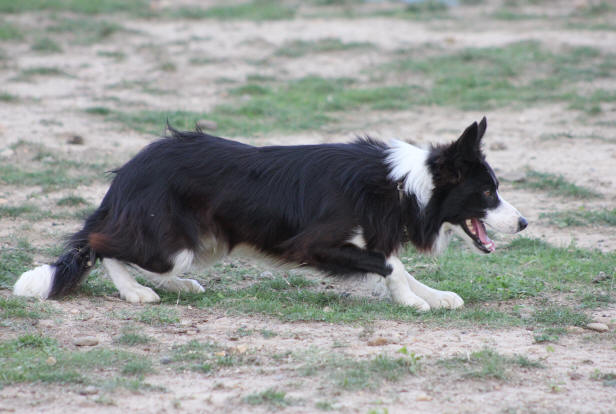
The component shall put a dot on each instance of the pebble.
(166, 360)
(598, 326)
(380, 341)
(89, 390)
(207, 124)
(86, 341)
(266, 274)
(601, 277)
(75, 140)
(51, 361)
(423, 397)
(45, 323)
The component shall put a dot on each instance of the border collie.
(345, 209)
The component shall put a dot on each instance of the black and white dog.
(345, 209)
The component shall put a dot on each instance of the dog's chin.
(473, 232)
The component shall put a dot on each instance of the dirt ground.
(51, 110)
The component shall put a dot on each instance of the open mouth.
(476, 230)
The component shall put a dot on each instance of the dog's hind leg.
(129, 288)
(169, 281)
(399, 288)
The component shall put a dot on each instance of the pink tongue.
(481, 232)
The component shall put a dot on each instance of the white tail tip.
(36, 282)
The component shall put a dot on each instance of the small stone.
(207, 124)
(241, 349)
(498, 146)
(86, 341)
(45, 323)
(75, 140)
(51, 361)
(220, 353)
(89, 390)
(575, 376)
(327, 309)
(166, 360)
(601, 277)
(597, 326)
(423, 397)
(380, 341)
(266, 274)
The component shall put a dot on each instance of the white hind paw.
(441, 299)
(139, 294)
(413, 302)
(183, 285)
(36, 282)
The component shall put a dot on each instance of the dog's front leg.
(436, 298)
(399, 288)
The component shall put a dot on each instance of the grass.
(14, 260)
(555, 185)
(71, 201)
(351, 374)
(518, 73)
(9, 31)
(252, 10)
(297, 48)
(22, 308)
(46, 45)
(76, 6)
(559, 316)
(581, 218)
(28, 74)
(37, 358)
(299, 105)
(131, 338)
(205, 357)
(16, 211)
(86, 31)
(158, 316)
(271, 397)
(7, 97)
(488, 364)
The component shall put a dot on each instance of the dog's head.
(466, 189)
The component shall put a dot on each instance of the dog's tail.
(71, 268)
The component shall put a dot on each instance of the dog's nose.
(522, 223)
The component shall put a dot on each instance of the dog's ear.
(468, 145)
(483, 125)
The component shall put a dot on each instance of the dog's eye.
(488, 193)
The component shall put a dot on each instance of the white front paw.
(412, 301)
(441, 299)
(184, 285)
(139, 294)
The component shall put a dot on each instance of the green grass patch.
(46, 45)
(488, 364)
(138, 7)
(549, 334)
(7, 97)
(608, 378)
(557, 315)
(555, 185)
(28, 74)
(297, 48)
(131, 338)
(252, 10)
(158, 316)
(16, 211)
(72, 201)
(271, 397)
(353, 374)
(303, 104)
(22, 308)
(36, 358)
(86, 31)
(518, 73)
(14, 260)
(581, 218)
(9, 31)
(205, 357)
